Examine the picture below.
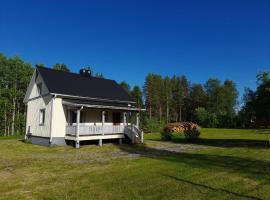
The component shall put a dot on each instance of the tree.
(201, 116)
(136, 95)
(197, 96)
(61, 67)
(99, 75)
(148, 93)
(262, 77)
(39, 65)
(175, 96)
(158, 94)
(180, 89)
(256, 109)
(168, 96)
(125, 86)
(184, 90)
(262, 100)
(213, 92)
(15, 75)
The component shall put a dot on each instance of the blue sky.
(125, 40)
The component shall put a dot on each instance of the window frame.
(39, 89)
(42, 114)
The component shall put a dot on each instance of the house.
(65, 107)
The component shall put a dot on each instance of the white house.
(65, 107)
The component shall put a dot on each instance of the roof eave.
(92, 98)
(102, 106)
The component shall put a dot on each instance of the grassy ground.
(223, 164)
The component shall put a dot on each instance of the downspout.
(51, 127)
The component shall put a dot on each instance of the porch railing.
(95, 130)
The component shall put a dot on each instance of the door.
(116, 118)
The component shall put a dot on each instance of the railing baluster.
(93, 130)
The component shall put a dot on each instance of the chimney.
(86, 72)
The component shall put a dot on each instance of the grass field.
(223, 164)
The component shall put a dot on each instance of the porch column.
(103, 122)
(78, 128)
(125, 118)
(137, 120)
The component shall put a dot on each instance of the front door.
(116, 118)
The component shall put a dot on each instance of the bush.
(212, 121)
(201, 116)
(192, 134)
(166, 135)
(153, 125)
(206, 119)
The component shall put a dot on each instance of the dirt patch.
(174, 147)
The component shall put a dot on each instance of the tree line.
(166, 99)
(176, 99)
(212, 104)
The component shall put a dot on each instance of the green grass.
(11, 137)
(222, 164)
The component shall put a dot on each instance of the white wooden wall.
(32, 118)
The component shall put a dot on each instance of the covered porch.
(98, 122)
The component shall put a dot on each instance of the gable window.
(41, 117)
(39, 88)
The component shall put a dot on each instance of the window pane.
(39, 88)
(42, 117)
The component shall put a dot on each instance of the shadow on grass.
(212, 188)
(254, 169)
(260, 131)
(247, 143)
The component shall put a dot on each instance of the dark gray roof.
(67, 83)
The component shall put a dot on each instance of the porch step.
(134, 134)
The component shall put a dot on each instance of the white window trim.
(39, 89)
(42, 112)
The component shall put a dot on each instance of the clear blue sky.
(125, 40)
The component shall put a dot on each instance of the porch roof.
(100, 105)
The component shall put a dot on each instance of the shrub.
(212, 121)
(206, 119)
(153, 125)
(201, 116)
(166, 134)
(192, 134)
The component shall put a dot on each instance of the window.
(39, 88)
(41, 117)
(74, 117)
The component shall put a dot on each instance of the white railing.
(132, 132)
(95, 130)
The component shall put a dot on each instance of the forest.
(166, 99)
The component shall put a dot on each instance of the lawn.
(223, 164)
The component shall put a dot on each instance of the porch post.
(78, 128)
(137, 120)
(103, 122)
(125, 118)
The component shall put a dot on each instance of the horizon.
(127, 40)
